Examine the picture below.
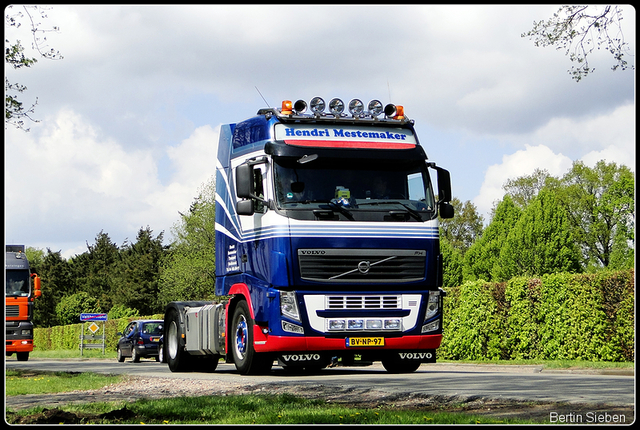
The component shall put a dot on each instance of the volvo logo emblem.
(363, 267)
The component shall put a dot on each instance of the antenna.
(267, 103)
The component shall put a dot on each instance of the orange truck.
(22, 287)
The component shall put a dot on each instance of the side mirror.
(445, 210)
(37, 292)
(245, 207)
(444, 185)
(244, 181)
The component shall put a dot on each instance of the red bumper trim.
(265, 343)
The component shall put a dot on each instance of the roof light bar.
(356, 107)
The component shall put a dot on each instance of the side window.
(258, 188)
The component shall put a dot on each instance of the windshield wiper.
(334, 207)
(414, 213)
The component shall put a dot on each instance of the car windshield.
(17, 283)
(154, 328)
(353, 184)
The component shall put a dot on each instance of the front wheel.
(247, 361)
(397, 366)
(120, 356)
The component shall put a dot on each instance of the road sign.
(93, 317)
(94, 327)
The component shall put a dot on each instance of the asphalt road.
(530, 383)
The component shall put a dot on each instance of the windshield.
(355, 185)
(18, 283)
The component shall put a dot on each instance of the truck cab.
(19, 297)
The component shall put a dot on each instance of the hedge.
(560, 316)
(68, 336)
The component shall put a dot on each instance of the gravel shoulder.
(153, 388)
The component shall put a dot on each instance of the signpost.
(94, 328)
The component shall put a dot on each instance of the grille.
(358, 265)
(363, 302)
(13, 311)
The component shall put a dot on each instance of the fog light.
(393, 324)
(374, 324)
(355, 325)
(432, 326)
(292, 328)
(337, 324)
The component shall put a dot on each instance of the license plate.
(155, 339)
(364, 341)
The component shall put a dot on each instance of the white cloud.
(520, 163)
(71, 182)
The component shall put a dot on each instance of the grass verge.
(241, 409)
(18, 382)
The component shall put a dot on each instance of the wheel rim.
(172, 342)
(242, 336)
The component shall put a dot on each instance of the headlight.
(289, 305)
(433, 305)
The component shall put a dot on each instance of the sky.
(129, 117)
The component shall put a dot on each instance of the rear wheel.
(247, 361)
(22, 356)
(176, 356)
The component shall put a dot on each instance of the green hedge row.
(68, 336)
(560, 316)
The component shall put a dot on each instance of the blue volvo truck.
(327, 245)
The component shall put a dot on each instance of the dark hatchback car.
(140, 339)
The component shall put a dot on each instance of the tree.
(464, 228)
(15, 112)
(138, 273)
(601, 208)
(95, 269)
(482, 257)
(540, 243)
(579, 30)
(57, 281)
(525, 188)
(189, 269)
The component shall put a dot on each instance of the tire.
(120, 356)
(135, 357)
(247, 361)
(177, 358)
(161, 357)
(397, 366)
(22, 356)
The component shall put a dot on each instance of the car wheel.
(135, 357)
(160, 357)
(120, 356)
